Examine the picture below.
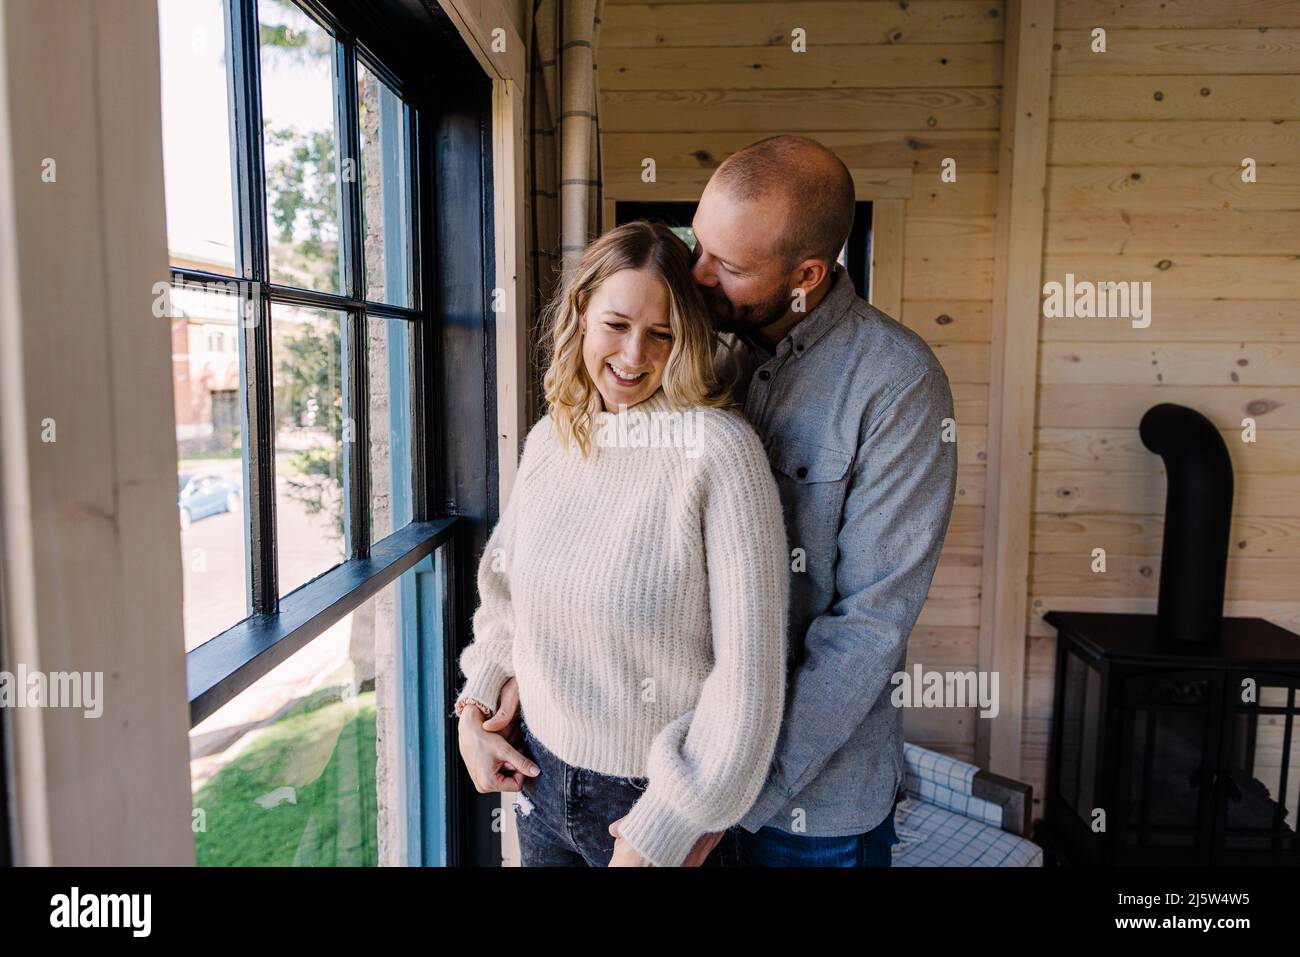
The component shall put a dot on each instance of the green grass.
(324, 748)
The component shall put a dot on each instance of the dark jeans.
(771, 847)
(564, 817)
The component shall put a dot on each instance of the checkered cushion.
(941, 824)
(946, 782)
(931, 836)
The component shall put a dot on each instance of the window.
(677, 216)
(323, 544)
(225, 410)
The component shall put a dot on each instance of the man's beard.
(747, 319)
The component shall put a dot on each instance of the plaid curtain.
(564, 179)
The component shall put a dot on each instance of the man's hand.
(492, 762)
(702, 849)
(503, 721)
(699, 853)
(625, 855)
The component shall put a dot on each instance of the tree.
(302, 200)
(310, 398)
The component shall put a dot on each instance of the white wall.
(92, 572)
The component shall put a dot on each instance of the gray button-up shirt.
(851, 407)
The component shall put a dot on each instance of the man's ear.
(810, 273)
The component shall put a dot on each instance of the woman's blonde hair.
(689, 379)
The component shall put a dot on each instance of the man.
(853, 408)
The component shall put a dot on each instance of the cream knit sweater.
(639, 597)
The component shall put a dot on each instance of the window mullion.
(415, 212)
(349, 162)
(255, 345)
(428, 411)
(246, 134)
(357, 416)
(417, 342)
(419, 339)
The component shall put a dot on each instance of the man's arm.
(895, 517)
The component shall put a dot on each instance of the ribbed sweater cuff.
(659, 832)
(485, 685)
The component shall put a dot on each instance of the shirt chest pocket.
(813, 481)
(805, 463)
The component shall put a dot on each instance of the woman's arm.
(487, 662)
(708, 766)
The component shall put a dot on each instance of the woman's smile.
(622, 377)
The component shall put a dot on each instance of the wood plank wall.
(1144, 183)
(886, 87)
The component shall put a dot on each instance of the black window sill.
(222, 667)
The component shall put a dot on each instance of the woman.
(636, 585)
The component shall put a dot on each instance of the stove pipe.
(1198, 514)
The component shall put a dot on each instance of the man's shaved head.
(810, 181)
(768, 229)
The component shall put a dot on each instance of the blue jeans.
(771, 847)
(564, 818)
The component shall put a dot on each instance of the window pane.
(310, 464)
(308, 766)
(390, 426)
(385, 194)
(208, 392)
(196, 119)
(300, 130)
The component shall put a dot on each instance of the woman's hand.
(699, 853)
(492, 762)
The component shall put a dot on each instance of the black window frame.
(420, 55)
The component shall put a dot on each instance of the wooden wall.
(1143, 183)
(888, 89)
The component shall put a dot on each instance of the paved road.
(212, 550)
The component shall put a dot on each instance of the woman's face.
(627, 337)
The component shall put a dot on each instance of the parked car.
(204, 495)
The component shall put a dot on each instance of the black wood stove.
(1175, 737)
(1192, 754)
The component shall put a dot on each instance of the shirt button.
(799, 348)
(801, 472)
(765, 375)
